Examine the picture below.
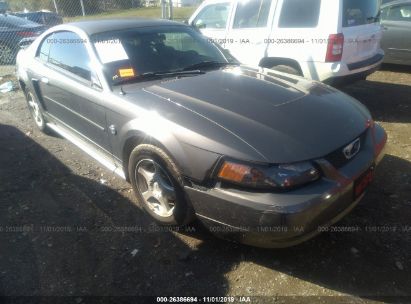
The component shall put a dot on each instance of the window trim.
(69, 74)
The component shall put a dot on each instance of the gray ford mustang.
(258, 156)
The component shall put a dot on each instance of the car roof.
(395, 3)
(107, 25)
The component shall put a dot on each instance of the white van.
(324, 40)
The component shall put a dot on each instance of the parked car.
(331, 41)
(244, 149)
(45, 18)
(396, 40)
(12, 31)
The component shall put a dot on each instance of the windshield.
(132, 53)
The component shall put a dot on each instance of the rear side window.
(397, 13)
(213, 16)
(69, 52)
(300, 14)
(360, 12)
(252, 14)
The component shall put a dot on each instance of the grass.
(179, 13)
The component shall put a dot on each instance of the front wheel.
(158, 185)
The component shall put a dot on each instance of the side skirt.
(102, 159)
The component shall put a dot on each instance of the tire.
(286, 69)
(158, 186)
(36, 111)
(7, 54)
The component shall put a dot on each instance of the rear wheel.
(158, 185)
(36, 111)
(286, 69)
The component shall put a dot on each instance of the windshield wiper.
(154, 75)
(171, 73)
(207, 64)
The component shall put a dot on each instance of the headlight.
(276, 177)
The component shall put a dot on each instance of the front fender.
(194, 163)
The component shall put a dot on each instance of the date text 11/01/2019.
(224, 299)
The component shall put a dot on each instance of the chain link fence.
(17, 16)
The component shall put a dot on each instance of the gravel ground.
(70, 227)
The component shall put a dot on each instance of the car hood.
(286, 119)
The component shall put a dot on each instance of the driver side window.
(69, 53)
(213, 16)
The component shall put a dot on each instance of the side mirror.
(25, 42)
(185, 21)
(24, 46)
(199, 24)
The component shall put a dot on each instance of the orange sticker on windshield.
(124, 73)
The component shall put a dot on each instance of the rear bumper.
(351, 78)
(275, 220)
(330, 72)
(376, 59)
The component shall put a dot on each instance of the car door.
(47, 80)
(70, 96)
(396, 41)
(249, 29)
(212, 20)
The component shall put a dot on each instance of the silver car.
(396, 41)
(261, 157)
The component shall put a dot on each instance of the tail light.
(379, 145)
(26, 34)
(335, 48)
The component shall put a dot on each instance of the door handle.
(113, 129)
(45, 80)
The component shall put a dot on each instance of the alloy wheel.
(155, 187)
(35, 110)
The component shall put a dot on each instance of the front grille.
(337, 157)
